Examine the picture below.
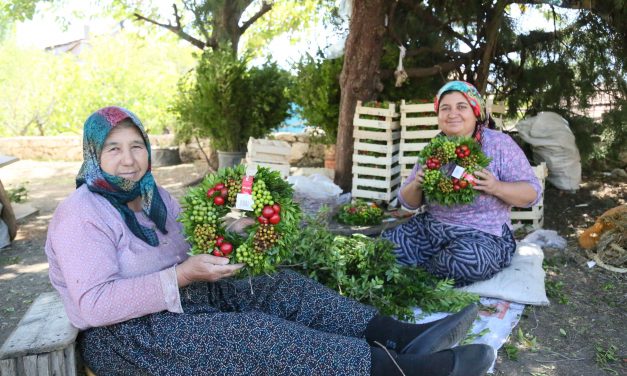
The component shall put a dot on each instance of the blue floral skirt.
(460, 253)
(283, 324)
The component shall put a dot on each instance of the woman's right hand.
(420, 178)
(206, 268)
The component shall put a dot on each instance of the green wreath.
(359, 213)
(275, 226)
(440, 157)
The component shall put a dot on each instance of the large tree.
(476, 40)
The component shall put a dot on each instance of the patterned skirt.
(284, 324)
(447, 251)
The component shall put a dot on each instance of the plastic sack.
(314, 191)
(553, 142)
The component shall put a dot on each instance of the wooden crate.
(533, 216)
(43, 342)
(376, 169)
(271, 151)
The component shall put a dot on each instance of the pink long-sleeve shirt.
(487, 213)
(103, 272)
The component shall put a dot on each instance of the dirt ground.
(582, 332)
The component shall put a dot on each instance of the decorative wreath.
(274, 226)
(450, 164)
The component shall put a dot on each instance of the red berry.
(219, 240)
(267, 211)
(218, 186)
(263, 220)
(211, 192)
(218, 200)
(464, 148)
(455, 180)
(226, 248)
(456, 187)
(224, 192)
(463, 184)
(275, 219)
(467, 152)
(276, 208)
(216, 252)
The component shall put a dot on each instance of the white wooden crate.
(533, 216)
(497, 110)
(419, 124)
(272, 151)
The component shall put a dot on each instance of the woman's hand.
(486, 182)
(206, 268)
(412, 191)
(519, 193)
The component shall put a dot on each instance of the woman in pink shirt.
(119, 261)
(469, 242)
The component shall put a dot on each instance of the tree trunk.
(495, 18)
(359, 79)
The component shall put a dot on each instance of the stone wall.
(70, 148)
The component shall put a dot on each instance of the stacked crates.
(376, 169)
(419, 124)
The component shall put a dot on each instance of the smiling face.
(124, 153)
(455, 116)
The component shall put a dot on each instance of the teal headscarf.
(117, 190)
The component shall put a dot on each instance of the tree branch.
(176, 29)
(265, 8)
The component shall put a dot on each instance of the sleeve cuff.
(170, 289)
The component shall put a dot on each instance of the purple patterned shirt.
(487, 213)
(103, 272)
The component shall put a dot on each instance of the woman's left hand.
(486, 182)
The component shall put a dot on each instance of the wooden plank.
(6, 213)
(364, 146)
(43, 364)
(383, 184)
(388, 171)
(30, 365)
(408, 160)
(268, 146)
(425, 135)
(383, 196)
(417, 121)
(376, 111)
(378, 124)
(44, 328)
(273, 158)
(57, 363)
(384, 161)
(418, 107)
(284, 169)
(381, 136)
(70, 360)
(8, 367)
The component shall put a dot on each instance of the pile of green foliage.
(365, 269)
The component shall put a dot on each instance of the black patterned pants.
(460, 253)
(284, 324)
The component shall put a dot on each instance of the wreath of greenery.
(440, 157)
(276, 218)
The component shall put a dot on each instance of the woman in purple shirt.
(119, 261)
(470, 242)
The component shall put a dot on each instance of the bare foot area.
(582, 332)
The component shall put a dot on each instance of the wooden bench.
(43, 342)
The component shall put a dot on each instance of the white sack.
(553, 142)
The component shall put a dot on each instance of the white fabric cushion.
(521, 282)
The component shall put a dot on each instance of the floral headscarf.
(473, 97)
(117, 190)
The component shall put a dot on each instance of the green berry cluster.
(204, 237)
(248, 256)
(201, 211)
(261, 197)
